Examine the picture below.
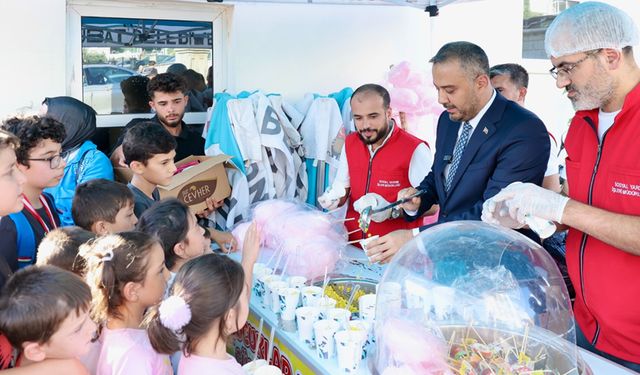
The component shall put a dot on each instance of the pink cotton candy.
(305, 240)
(412, 93)
(410, 344)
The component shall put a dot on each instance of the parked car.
(101, 87)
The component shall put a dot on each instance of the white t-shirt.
(553, 166)
(605, 121)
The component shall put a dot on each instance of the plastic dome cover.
(473, 298)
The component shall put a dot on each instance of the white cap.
(589, 26)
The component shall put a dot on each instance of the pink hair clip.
(175, 313)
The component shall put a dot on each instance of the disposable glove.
(374, 201)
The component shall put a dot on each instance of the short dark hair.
(144, 140)
(471, 57)
(372, 88)
(32, 130)
(60, 248)
(169, 221)
(37, 299)
(135, 94)
(166, 82)
(99, 199)
(517, 74)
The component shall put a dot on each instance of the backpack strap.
(26, 239)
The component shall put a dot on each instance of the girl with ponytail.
(127, 275)
(208, 302)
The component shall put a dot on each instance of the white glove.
(494, 212)
(527, 200)
(331, 197)
(374, 201)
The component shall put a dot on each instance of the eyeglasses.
(54, 161)
(566, 70)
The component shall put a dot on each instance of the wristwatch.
(396, 212)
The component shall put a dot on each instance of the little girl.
(127, 275)
(209, 301)
(177, 228)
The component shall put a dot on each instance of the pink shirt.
(194, 364)
(128, 351)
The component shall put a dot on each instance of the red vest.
(607, 176)
(386, 173)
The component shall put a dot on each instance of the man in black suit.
(484, 142)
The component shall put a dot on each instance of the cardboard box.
(194, 185)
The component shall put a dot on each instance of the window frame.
(220, 16)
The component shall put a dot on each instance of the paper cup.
(365, 328)
(349, 349)
(390, 295)
(306, 316)
(259, 270)
(340, 315)
(263, 281)
(297, 282)
(274, 288)
(251, 367)
(288, 301)
(416, 295)
(367, 307)
(268, 370)
(325, 304)
(324, 331)
(310, 294)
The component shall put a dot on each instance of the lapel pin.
(485, 131)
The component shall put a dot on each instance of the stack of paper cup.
(289, 298)
(340, 315)
(349, 347)
(297, 282)
(306, 316)
(363, 326)
(367, 307)
(268, 370)
(263, 281)
(310, 294)
(251, 367)
(324, 331)
(275, 287)
(325, 304)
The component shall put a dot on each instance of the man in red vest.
(590, 47)
(378, 160)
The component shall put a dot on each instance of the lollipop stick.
(354, 231)
(271, 337)
(326, 280)
(352, 296)
(255, 352)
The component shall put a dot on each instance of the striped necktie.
(457, 154)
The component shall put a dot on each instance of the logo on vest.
(197, 192)
(625, 189)
(388, 184)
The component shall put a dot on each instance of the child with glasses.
(38, 158)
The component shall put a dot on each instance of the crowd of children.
(132, 287)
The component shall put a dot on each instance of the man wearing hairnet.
(590, 46)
